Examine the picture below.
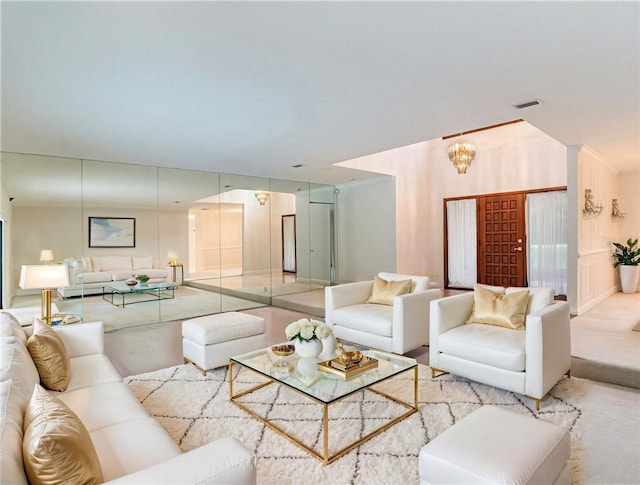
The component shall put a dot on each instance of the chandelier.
(461, 155)
(262, 197)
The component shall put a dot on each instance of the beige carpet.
(187, 303)
(196, 410)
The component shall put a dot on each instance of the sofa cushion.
(16, 364)
(375, 319)
(57, 447)
(503, 310)
(103, 405)
(142, 262)
(87, 265)
(96, 277)
(487, 344)
(418, 283)
(119, 447)
(90, 370)
(384, 291)
(12, 408)
(11, 327)
(50, 357)
(110, 263)
(539, 297)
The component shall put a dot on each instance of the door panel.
(501, 240)
(289, 263)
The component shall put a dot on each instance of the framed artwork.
(112, 232)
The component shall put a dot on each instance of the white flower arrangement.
(307, 330)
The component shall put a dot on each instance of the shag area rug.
(195, 410)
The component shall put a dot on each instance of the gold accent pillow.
(384, 291)
(50, 357)
(56, 447)
(508, 311)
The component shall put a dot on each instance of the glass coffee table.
(325, 389)
(159, 291)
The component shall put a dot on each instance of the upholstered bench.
(209, 341)
(493, 445)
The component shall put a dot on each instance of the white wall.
(510, 158)
(7, 255)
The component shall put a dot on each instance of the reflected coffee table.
(159, 291)
(325, 389)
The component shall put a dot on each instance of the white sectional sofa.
(89, 275)
(131, 446)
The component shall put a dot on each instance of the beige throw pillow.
(384, 291)
(50, 357)
(56, 447)
(492, 308)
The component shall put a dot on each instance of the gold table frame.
(325, 458)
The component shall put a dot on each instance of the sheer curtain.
(547, 240)
(462, 243)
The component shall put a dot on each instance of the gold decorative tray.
(337, 368)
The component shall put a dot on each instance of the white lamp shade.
(43, 276)
(46, 256)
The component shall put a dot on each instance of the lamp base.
(46, 306)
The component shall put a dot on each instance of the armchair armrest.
(225, 461)
(82, 338)
(444, 314)
(344, 295)
(411, 319)
(548, 347)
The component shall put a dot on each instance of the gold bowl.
(131, 282)
(283, 350)
(348, 357)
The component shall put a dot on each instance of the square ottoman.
(209, 341)
(493, 445)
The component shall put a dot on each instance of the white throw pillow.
(142, 262)
(539, 297)
(109, 263)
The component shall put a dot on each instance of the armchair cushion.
(507, 310)
(374, 319)
(539, 297)
(384, 291)
(486, 344)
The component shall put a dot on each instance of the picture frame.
(112, 232)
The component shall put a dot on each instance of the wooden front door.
(502, 258)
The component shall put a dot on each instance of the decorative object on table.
(307, 370)
(307, 335)
(131, 281)
(44, 277)
(338, 368)
(329, 346)
(143, 279)
(628, 258)
(283, 350)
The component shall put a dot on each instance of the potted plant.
(628, 258)
(142, 278)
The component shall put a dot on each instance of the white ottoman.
(492, 445)
(210, 341)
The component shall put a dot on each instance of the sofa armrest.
(225, 461)
(548, 347)
(82, 338)
(445, 314)
(411, 319)
(344, 295)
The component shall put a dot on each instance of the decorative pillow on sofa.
(384, 291)
(50, 357)
(492, 308)
(57, 447)
(109, 263)
(142, 262)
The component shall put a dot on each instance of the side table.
(174, 270)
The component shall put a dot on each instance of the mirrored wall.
(208, 242)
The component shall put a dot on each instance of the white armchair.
(529, 361)
(396, 328)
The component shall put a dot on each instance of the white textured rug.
(195, 410)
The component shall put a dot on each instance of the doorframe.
(295, 248)
(476, 197)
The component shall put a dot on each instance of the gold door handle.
(519, 249)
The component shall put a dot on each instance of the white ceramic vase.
(305, 349)
(329, 347)
(629, 276)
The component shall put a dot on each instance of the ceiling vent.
(527, 104)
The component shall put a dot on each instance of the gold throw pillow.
(56, 447)
(50, 357)
(384, 291)
(508, 311)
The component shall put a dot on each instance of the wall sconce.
(46, 256)
(590, 207)
(616, 213)
(262, 197)
(461, 155)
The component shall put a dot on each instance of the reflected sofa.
(91, 274)
(131, 446)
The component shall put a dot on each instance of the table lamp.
(46, 256)
(44, 277)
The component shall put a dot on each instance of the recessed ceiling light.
(527, 104)
(297, 166)
(227, 186)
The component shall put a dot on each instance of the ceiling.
(257, 87)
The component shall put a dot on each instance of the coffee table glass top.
(122, 287)
(303, 375)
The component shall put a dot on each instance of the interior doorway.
(289, 257)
